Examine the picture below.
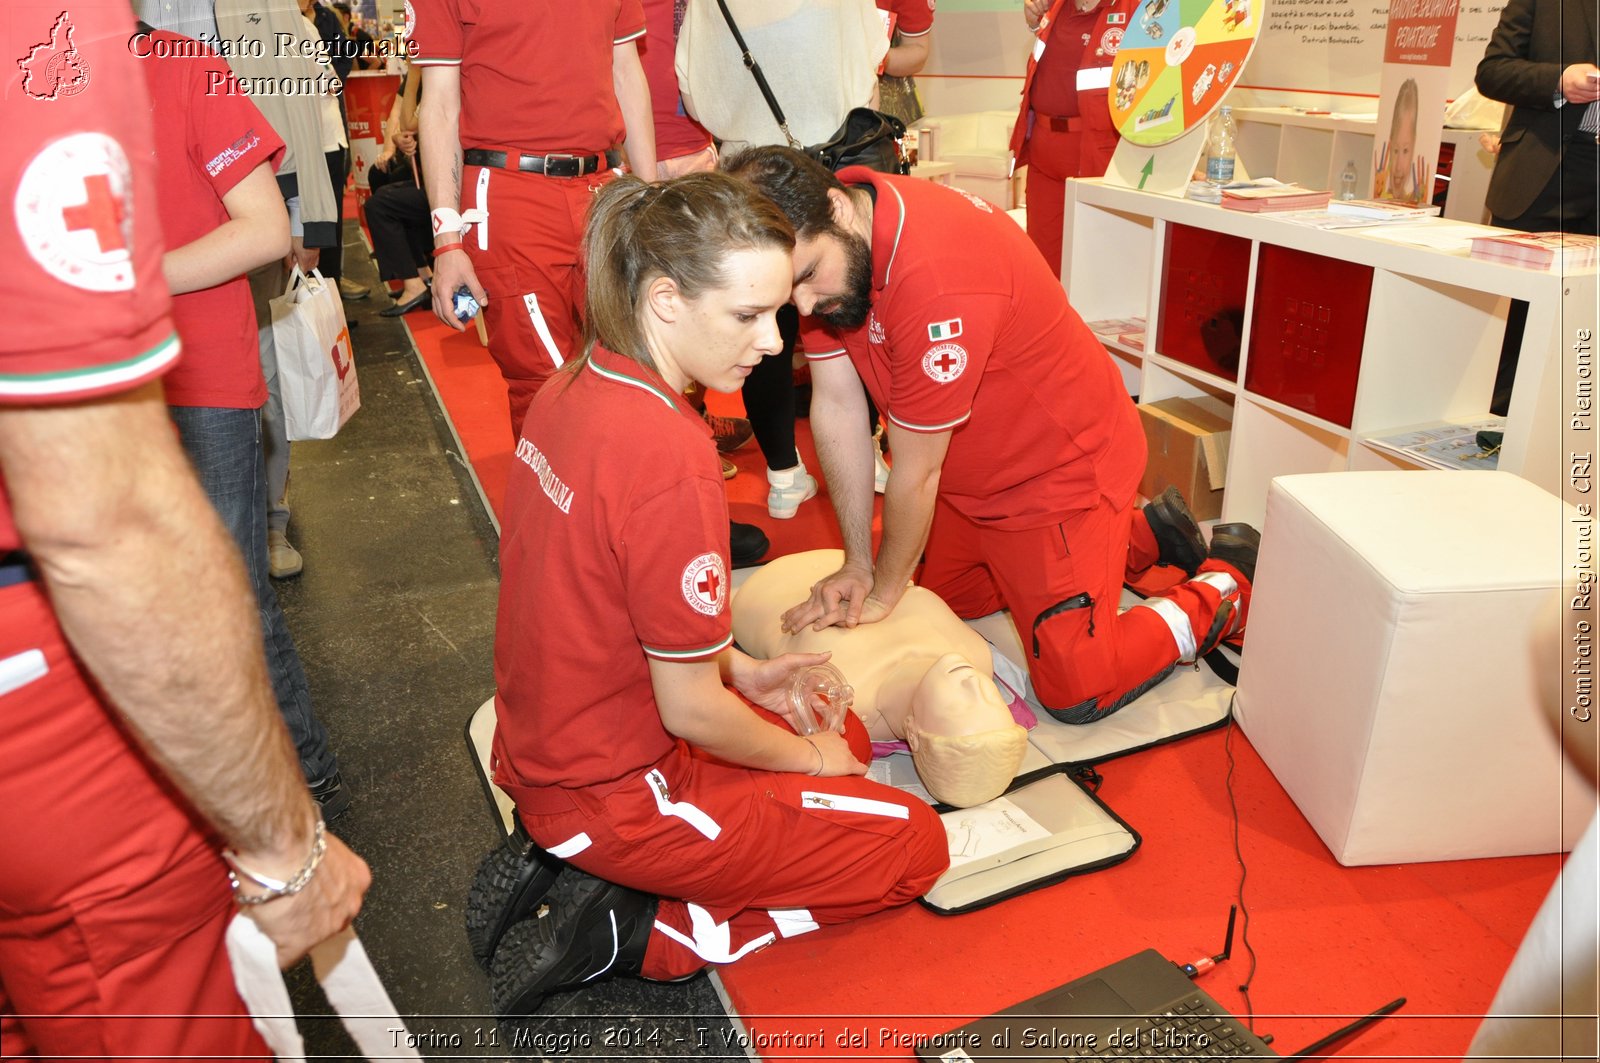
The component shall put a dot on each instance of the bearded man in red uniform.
(1018, 452)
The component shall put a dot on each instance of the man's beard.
(850, 310)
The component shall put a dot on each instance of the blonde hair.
(682, 229)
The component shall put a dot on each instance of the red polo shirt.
(676, 133)
(913, 17)
(535, 74)
(971, 332)
(613, 551)
(89, 308)
(208, 139)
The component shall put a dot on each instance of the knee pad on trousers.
(1073, 659)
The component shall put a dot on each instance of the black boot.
(1238, 545)
(747, 544)
(1178, 535)
(586, 930)
(510, 883)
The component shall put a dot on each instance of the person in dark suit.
(1540, 60)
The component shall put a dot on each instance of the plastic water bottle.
(1347, 181)
(1219, 149)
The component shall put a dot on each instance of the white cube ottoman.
(1389, 669)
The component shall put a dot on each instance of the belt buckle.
(563, 165)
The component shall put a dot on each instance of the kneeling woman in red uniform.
(694, 829)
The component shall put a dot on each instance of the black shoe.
(586, 929)
(1238, 545)
(510, 883)
(747, 544)
(332, 795)
(414, 303)
(1178, 535)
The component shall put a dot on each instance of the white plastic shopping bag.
(316, 368)
(348, 980)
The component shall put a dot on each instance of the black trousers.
(402, 236)
(1566, 204)
(331, 261)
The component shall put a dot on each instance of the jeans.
(267, 283)
(225, 447)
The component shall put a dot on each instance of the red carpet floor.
(1331, 942)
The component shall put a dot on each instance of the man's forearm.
(907, 516)
(150, 591)
(633, 98)
(839, 428)
(440, 138)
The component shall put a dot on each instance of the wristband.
(446, 220)
(275, 888)
(820, 762)
(455, 245)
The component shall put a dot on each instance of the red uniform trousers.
(113, 899)
(1063, 585)
(1054, 155)
(526, 258)
(741, 857)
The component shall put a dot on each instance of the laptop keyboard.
(1191, 1029)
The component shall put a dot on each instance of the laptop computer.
(1142, 1007)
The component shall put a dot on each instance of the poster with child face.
(1416, 68)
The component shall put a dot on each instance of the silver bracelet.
(275, 887)
(821, 763)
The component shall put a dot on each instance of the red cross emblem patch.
(705, 584)
(75, 214)
(945, 362)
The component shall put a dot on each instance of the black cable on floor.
(1238, 854)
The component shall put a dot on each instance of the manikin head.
(964, 742)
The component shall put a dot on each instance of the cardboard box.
(1188, 449)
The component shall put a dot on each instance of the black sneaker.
(747, 544)
(586, 929)
(333, 795)
(1238, 545)
(511, 881)
(1178, 535)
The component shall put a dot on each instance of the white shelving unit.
(1428, 347)
(1312, 149)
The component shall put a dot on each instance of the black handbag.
(867, 137)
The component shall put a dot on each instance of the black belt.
(557, 165)
(15, 568)
(1062, 124)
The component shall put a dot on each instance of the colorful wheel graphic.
(1176, 60)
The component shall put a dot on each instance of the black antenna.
(1205, 963)
(1318, 1048)
(1227, 949)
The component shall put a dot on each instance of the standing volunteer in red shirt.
(1064, 128)
(713, 831)
(1013, 436)
(522, 109)
(140, 732)
(223, 215)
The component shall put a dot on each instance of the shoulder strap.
(751, 65)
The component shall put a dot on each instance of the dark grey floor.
(394, 618)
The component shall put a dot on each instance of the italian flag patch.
(1115, 18)
(944, 330)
